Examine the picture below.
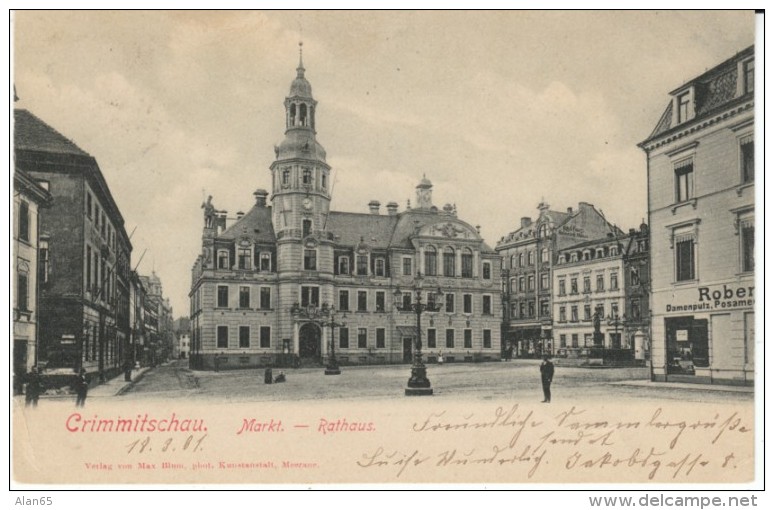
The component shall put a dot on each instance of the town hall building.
(261, 282)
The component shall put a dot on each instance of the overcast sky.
(498, 109)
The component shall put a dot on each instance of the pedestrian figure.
(128, 371)
(546, 375)
(440, 357)
(267, 378)
(34, 387)
(81, 388)
(217, 363)
(280, 377)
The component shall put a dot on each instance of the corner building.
(292, 249)
(701, 205)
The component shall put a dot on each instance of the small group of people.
(35, 387)
(268, 379)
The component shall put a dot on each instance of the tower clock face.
(307, 203)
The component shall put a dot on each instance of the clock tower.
(300, 176)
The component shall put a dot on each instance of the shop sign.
(681, 335)
(715, 297)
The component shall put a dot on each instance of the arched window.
(513, 261)
(431, 261)
(467, 263)
(521, 259)
(302, 115)
(293, 114)
(448, 261)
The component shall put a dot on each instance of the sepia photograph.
(313, 248)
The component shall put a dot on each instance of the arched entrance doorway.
(309, 342)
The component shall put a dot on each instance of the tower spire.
(300, 69)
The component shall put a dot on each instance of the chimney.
(569, 210)
(260, 197)
(525, 221)
(373, 206)
(392, 208)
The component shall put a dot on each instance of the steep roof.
(31, 133)
(349, 228)
(256, 224)
(714, 89)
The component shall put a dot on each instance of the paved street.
(517, 379)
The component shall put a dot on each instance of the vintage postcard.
(386, 247)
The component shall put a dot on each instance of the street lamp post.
(418, 383)
(324, 316)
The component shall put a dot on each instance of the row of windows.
(362, 264)
(244, 337)
(588, 314)
(684, 244)
(467, 338)
(245, 260)
(589, 254)
(600, 284)
(100, 222)
(100, 277)
(307, 177)
(526, 309)
(527, 258)
(527, 283)
(264, 297)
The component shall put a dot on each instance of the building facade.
(701, 205)
(528, 257)
(31, 267)
(83, 301)
(637, 287)
(297, 252)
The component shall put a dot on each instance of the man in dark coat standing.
(34, 387)
(546, 375)
(81, 388)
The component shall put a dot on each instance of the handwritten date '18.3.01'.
(146, 445)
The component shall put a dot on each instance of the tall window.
(448, 261)
(431, 261)
(307, 176)
(323, 180)
(407, 301)
(613, 281)
(562, 340)
(431, 342)
(748, 244)
(362, 338)
(562, 314)
(531, 308)
(467, 303)
(487, 339)
(286, 177)
(88, 205)
(379, 267)
(222, 337)
(685, 265)
(586, 312)
(265, 261)
(362, 265)
(683, 105)
(574, 314)
(343, 338)
(44, 261)
(545, 309)
(407, 266)
(265, 298)
(343, 300)
(22, 291)
(530, 283)
(544, 281)
(310, 260)
(24, 221)
(244, 297)
(544, 255)
(747, 159)
(586, 284)
(684, 181)
(562, 287)
(521, 284)
(450, 339)
(521, 259)
(636, 309)
(223, 259)
(244, 337)
(530, 257)
(467, 263)
(467, 338)
(310, 296)
(575, 339)
(487, 271)
(343, 264)
(265, 333)
(306, 227)
(449, 302)
(380, 343)
(362, 300)
(487, 305)
(88, 268)
(601, 282)
(749, 76)
(222, 296)
(244, 258)
(380, 300)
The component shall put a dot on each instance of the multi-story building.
(528, 257)
(157, 324)
(136, 319)
(81, 302)
(253, 274)
(701, 205)
(589, 296)
(31, 268)
(637, 286)
(182, 338)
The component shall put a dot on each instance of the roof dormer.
(683, 104)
